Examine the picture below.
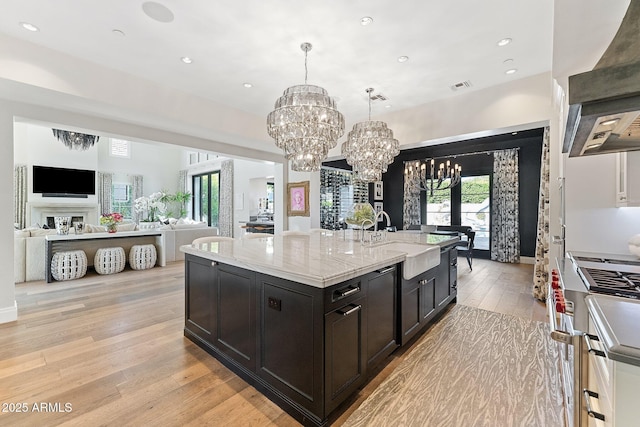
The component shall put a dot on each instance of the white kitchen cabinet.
(628, 179)
(617, 385)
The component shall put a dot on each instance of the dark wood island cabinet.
(306, 348)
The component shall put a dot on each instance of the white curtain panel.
(20, 196)
(182, 181)
(541, 268)
(225, 212)
(505, 234)
(105, 180)
(411, 203)
(137, 191)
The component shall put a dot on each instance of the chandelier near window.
(75, 140)
(370, 147)
(446, 176)
(305, 123)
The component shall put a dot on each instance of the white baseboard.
(527, 260)
(9, 314)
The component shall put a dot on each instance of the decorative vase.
(360, 212)
(112, 228)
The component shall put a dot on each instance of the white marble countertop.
(617, 320)
(319, 259)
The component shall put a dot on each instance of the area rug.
(473, 368)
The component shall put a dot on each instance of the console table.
(92, 241)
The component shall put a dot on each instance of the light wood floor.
(109, 350)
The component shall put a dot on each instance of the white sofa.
(179, 235)
(29, 246)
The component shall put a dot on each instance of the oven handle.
(556, 334)
(587, 395)
(590, 348)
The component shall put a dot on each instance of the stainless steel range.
(576, 276)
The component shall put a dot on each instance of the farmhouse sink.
(419, 258)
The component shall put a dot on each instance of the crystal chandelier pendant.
(75, 140)
(370, 147)
(305, 124)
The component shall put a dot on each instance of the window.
(439, 208)
(121, 199)
(119, 148)
(206, 197)
(475, 207)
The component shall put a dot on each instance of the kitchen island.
(305, 319)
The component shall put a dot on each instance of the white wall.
(8, 306)
(157, 163)
(594, 224)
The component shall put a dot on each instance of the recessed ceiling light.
(247, 85)
(29, 27)
(511, 71)
(366, 20)
(118, 32)
(403, 58)
(387, 106)
(507, 61)
(186, 60)
(504, 42)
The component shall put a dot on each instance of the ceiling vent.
(378, 97)
(462, 85)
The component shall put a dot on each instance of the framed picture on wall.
(298, 198)
(377, 206)
(377, 190)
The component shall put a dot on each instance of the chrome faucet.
(378, 216)
(363, 228)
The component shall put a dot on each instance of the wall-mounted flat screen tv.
(63, 182)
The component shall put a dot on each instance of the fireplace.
(44, 213)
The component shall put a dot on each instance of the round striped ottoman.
(69, 265)
(142, 257)
(109, 260)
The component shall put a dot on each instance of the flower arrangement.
(110, 220)
(150, 206)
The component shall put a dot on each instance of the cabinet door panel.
(199, 298)
(345, 356)
(287, 341)
(381, 312)
(442, 278)
(410, 312)
(236, 314)
(427, 299)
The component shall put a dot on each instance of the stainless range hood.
(604, 104)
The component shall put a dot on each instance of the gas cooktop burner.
(613, 282)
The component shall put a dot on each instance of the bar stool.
(69, 265)
(109, 260)
(142, 257)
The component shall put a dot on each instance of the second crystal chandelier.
(370, 147)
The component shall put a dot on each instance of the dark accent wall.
(530, 149)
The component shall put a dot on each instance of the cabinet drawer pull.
(386, 270)
(590, 349)
(345, 293)
(588, 394)
(214, 263)
(351, 311)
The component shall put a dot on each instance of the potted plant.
(111, 220)
(150, 207)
